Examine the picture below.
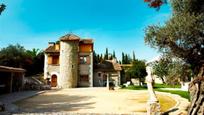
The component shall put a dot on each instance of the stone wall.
(68, 64)
(53, 69)
(49, 69)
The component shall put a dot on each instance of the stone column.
(68, 64)
(119, 78)
(45, 66)
(91, 70)
(153, 106)
(107, 81)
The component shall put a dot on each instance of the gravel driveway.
(88, 100)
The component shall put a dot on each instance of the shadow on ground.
(168, 112)
(54, 103)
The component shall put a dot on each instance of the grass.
(157, 87)
(183, 94)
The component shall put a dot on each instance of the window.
(53, 60)
(84, 60)
(99, 74)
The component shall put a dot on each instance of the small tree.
(138, 70)
(2, 8)
(33, 53)
(18, 56)
(172, 70)
(14, 56)
(160, 68)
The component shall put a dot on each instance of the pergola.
(11, 79)
(107, 67)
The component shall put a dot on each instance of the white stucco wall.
(45, 66)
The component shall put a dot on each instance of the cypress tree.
(126, 59)
(106, 54)
(114, 54)
(133, 56)
(123, 58)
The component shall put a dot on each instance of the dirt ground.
(91, 100)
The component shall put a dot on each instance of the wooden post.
(22, 82)
(11, 82)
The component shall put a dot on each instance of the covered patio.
(11, 79)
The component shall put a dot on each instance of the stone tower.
(69, 48)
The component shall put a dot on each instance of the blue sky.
(116, 24)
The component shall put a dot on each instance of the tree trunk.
(163, 81)
(140, 82)
(196, 89)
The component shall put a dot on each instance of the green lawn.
(184, 94)
(157, 87)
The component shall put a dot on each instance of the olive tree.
(182, 36)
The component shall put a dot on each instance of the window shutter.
(88, 59)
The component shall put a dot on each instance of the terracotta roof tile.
(108, 66)
(51, 49)
(116, 65)
(70, 37)
(86, 41)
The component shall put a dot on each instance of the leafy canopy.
(182, 35)
(18, 56)
(138, 69)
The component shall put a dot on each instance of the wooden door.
(54, 81)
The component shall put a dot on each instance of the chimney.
(57, 46)
(51, 44)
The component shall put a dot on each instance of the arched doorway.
(54, 80)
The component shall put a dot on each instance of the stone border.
(181, 103)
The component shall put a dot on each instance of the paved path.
(8, 99)
(85, 100)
